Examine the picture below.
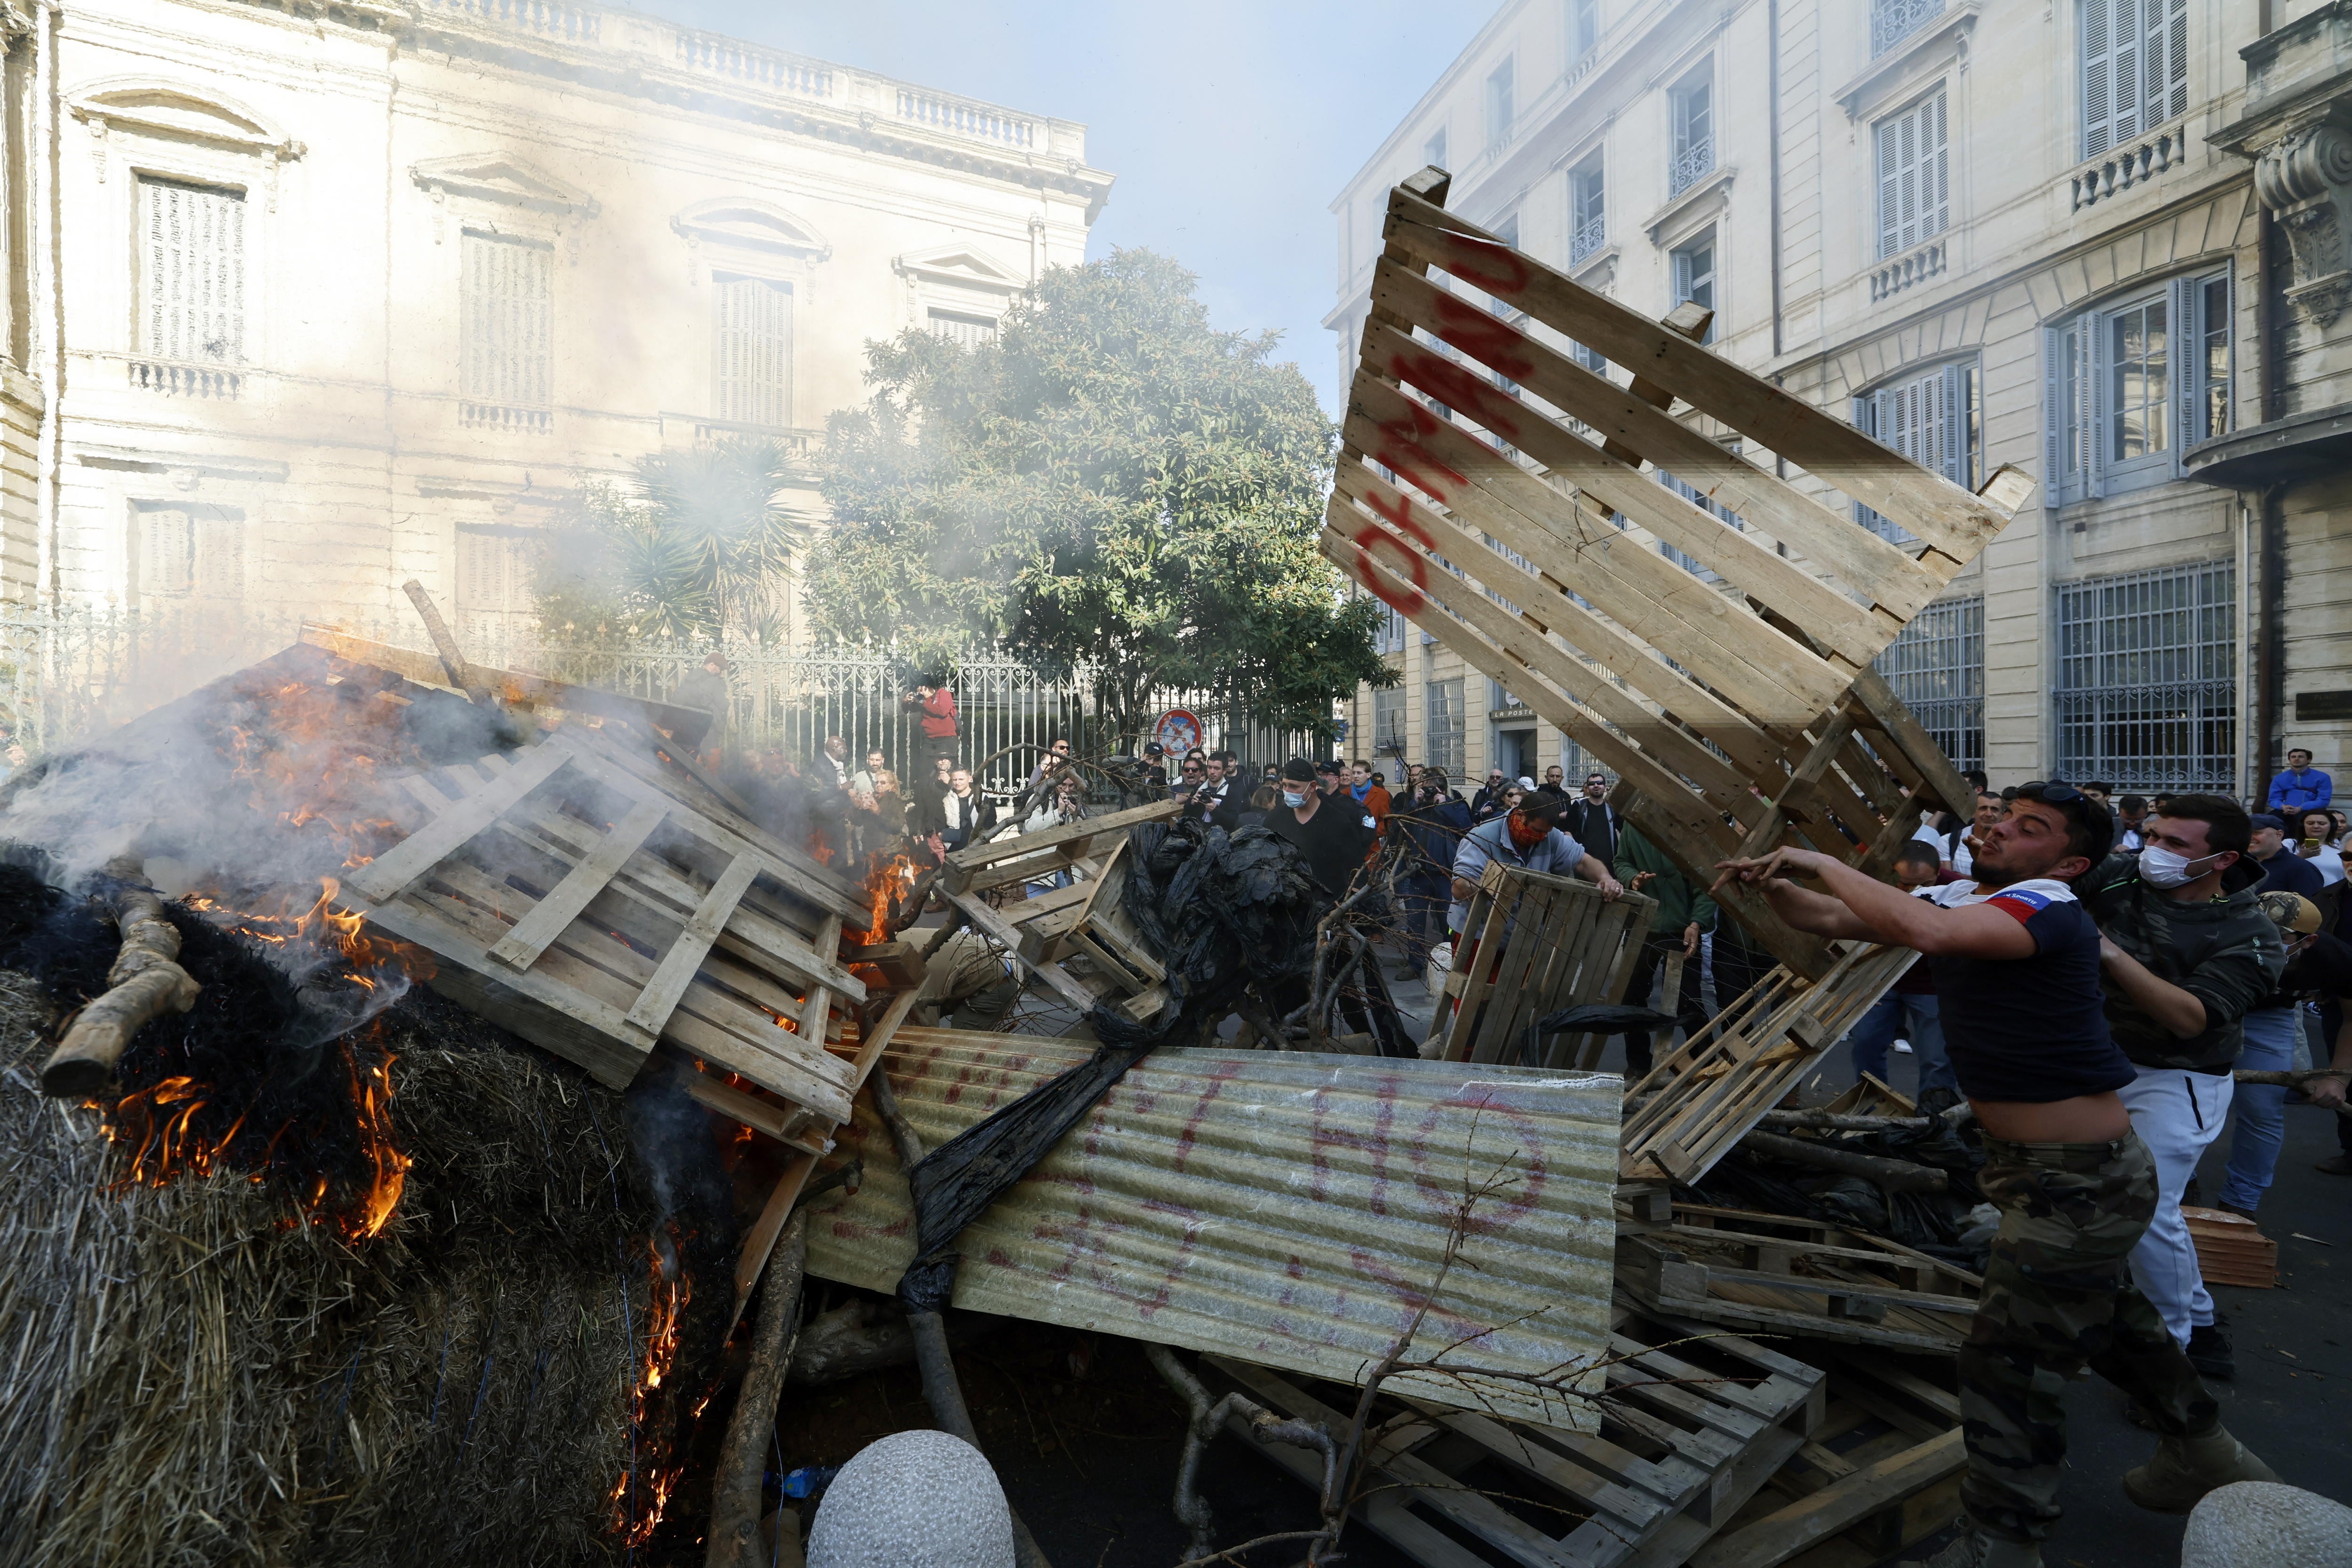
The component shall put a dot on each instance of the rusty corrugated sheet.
(1284, 1208)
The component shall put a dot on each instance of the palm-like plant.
(723, 537)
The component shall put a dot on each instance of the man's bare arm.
(2177, 1011)
(1815, 912)
(1891, 915)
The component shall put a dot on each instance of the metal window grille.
(192, 284)
(1937, 666)
(2135, 57)
(506, 319)
(1892, 21)
(1388, 721)
(1693, 144)
(2148, 677)
(1914, 180)
(964, 331)
(752, 350)
(1443, 728)
(1587, 212)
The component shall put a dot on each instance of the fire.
(642, 1492)
(889, 884)
(820, 847)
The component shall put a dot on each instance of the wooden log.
(453, 663)
(1901, 1175)
(144, 983)
(735, 1491)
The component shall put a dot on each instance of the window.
(1694, 130)
(2128, 389)
(495, 599)
(1695, 275)
(964, 331)
(1442, 717)
(1499, 111)
(1913, 188)
(1937, 666)
(1388, 721)
(1588, 218)
(187, 553)
(1892, 21)
(1433, 152)
(504, 328)
(1388, 632)
(2135, 68)
(752, 350)
(192, 272)
(1931, 417)
(2148, 679)
(1583, 30)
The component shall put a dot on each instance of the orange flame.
(640, 1496)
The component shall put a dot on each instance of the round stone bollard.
(914, 1499)
(2259, 1525)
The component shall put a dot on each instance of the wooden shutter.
(505, 324)
(2091, 399)
(752, 350)
(218, 536)
(2185, 362)
(1952, 425)
(2097, 19)
(191, 253)
(167, 551)
(2174, 84)
(2126, 44)
(2057, 364)
(1890, 185)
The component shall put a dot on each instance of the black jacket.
(2224, 952)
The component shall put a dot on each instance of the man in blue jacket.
(2302, 787)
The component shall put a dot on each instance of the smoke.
(678, 1159)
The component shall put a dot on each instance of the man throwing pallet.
(2016, 961)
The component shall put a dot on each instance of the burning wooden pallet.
(1532, 944)
(1558, 559)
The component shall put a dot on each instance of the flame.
(820, 847)
(889, 882)
(642, 1492)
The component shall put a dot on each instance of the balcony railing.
(957, 117)
(205, 381)
(505, 418)
(1892, 21)
(1690, 165)
(1912, 266)
(2120, 168)
(548, 18)
(718, 56)
(1588, 238)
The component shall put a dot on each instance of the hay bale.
(194, 1374)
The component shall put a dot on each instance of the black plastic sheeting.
(1223, 912)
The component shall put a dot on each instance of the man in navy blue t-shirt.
(2016, 961)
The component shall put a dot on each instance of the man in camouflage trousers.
(2017, 965)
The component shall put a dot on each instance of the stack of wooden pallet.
(2231, 1249)
(1530, 945)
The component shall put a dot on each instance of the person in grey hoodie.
(2186, 951)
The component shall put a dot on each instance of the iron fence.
(68, 674)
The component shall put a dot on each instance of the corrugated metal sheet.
(1284, 1208)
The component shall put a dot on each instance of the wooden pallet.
(1701, 1098)
(2231, 1249)
(1532, 944)
(1881, 1473)
(1082, 919)
(1493, 491)
(1690, 1424)
(586, 897)
(1764, 1273)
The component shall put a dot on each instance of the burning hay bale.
(255, 1327)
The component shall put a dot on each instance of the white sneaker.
(1901, 1047)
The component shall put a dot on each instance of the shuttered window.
(752, 350)
(1443, 729)
(1930, 417)
(192, 272)
(2135, 58)
(505, 326)
(1914, 182)
(496, 603)
(2129, 389)
(965, 331)
(188, 552)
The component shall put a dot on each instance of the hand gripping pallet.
(1737, 707)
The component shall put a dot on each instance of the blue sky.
(1230, 126)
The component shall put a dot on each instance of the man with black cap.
(1330, 830)
(2283, 872)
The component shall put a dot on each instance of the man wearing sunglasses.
(2016, 961)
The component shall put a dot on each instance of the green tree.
(697, 545)
(1112, 480)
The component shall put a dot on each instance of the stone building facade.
(1988, 233)
(355, 292)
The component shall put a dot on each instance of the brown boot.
(2185, 1468)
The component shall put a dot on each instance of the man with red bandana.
(1530, 839)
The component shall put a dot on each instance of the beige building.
(341, 294)
(1990, 234)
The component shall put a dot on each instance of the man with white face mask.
(2186, 950)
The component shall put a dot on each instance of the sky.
(1229, 126)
